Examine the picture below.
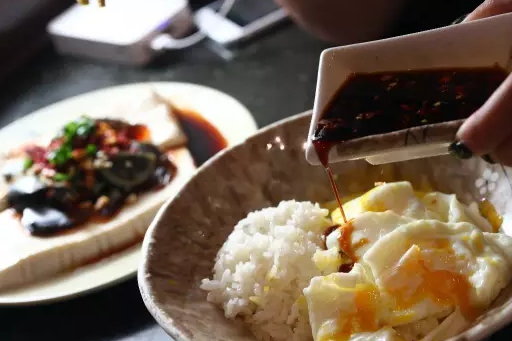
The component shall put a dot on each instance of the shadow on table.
(106, 315)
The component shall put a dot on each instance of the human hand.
(490, 8)
(488, 131)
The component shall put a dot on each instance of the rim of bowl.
(145, 287)
(166, 322)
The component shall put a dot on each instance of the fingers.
(490, 8)
(503, 153)
(488, 132)
(490, 125)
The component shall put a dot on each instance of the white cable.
(167, 42)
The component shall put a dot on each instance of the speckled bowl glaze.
(181, 244)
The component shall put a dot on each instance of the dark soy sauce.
(322, 149)
(204, 140)
(376, 103)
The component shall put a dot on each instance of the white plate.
(228, 115)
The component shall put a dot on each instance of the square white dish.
(480, 43)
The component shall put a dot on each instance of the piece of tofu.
(159, 115)
(156, 112)
(25, 258)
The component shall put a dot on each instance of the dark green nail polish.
(460, 150)
(487, 158)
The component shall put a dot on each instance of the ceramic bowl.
(481, 43)
(182, 242)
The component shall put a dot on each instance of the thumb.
(490, 125)
(490, 8)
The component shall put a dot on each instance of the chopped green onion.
(60, 156)
(60, 177)
(28, 163)
(82, 131)
(70, 130)
(91, 149)
(85, 126)
(81, 127)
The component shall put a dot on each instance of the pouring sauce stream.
(323, 148)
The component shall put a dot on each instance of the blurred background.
(33, 74)
(48, 54)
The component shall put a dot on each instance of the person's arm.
(488, 132)
(344, 21)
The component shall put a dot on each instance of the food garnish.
(88, 170)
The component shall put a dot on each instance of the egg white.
(400, 198)
(401, 230)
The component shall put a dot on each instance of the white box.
(119, 32)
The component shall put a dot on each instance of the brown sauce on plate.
(204, 140)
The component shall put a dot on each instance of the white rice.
(264, 265)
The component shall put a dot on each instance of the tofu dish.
(89, 190)
(405, 265)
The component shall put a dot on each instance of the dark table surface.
(274, 77)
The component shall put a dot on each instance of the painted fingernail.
(459, 19)
(487, 158)
(460, 150)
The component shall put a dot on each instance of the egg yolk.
(413, 281)
(429, 272)
(488, 211)
(443, 287)
(363, 319)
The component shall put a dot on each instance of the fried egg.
(400, 198)
(425, 266)
(342, 304)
